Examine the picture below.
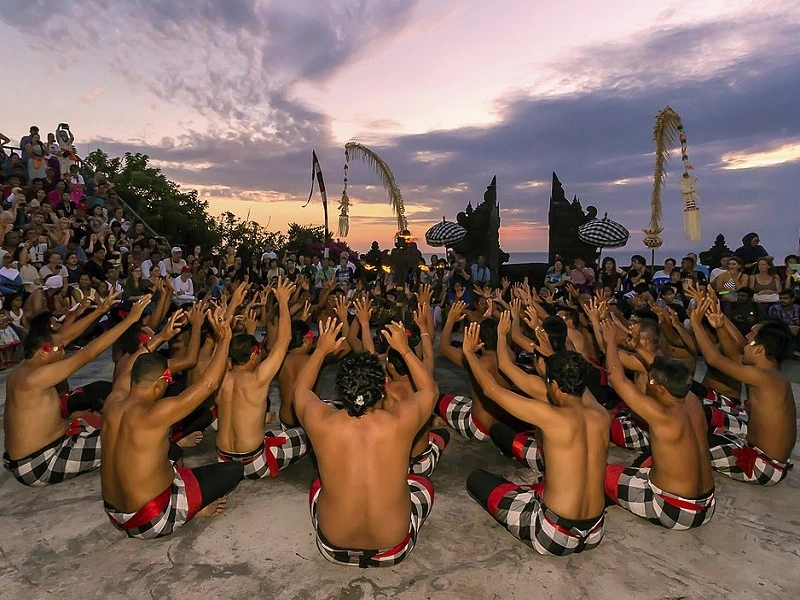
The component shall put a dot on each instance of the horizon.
(231, 98)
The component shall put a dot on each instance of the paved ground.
(57, 543)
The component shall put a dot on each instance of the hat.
(186, 269)
(176, 249)
(54, 282)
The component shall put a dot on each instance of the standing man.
(481, 275)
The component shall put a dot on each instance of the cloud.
(92, 96)
(785, 153)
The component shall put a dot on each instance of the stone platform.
(57, 542)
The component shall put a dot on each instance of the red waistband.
(691, 505)
(145, 514)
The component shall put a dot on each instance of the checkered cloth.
(421, 490)
(734, 456)
(714, 398)
(726, 420)
(76, 453)
(425, 463)
(527, 451)
(626, 432)
(631, 488)
(521, 510)
(457, 413)
(274, 454)
(168, 511)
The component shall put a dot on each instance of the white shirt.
(148, 264)
(269, 255)
(183, 289)
(175, 267)
(716, 273)
(45, 272)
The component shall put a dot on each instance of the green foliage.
(311, 240)
(248, 237)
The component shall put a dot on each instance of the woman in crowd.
(750, 251)
(74, 268)
(637, 273)
(730, 282)
(765, 283)
(255, 273)
(84, 290)
(29, 274)
(609, 276)
(556, 277)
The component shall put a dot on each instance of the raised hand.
(472, 339)
(284, 290)
(422, 318)
(396, 336)
(173, 327)
(238, 296)
(456, 312)
(197, 314)
(138, 307)
(504, 283)
(516, 308)
(328, 332)
(342, 305)
(424, 294)
(305, 314)
(695, 292)
(504, 325)
(460, 293)
(549, 296)
(713, 313)
(634, 336)
(609, 330)
(220, 322)
(592, 309)
(532, 317)
(481, 291)
(489, 309)
(110, 301)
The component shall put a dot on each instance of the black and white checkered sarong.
(631, 488)
(76, 453)
(734, 456)
(457, 413)
(425, 463)
(528, 451)
(277, 452)
(421, 490)
(173, 508)
(521, 510)
(626, 432)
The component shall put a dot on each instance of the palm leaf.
(664, 133)
(372, 159)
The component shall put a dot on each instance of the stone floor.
(57, 543)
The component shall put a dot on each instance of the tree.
(248, 237)
(310, 241)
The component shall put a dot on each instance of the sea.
(622, 256)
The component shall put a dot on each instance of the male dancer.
(242, 402)
(567, 514)
(40, 449)
(674, 487)
(762, 455)
(145, 494)
(366, 508)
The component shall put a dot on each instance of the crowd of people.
(555, 373)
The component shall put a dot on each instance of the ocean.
(622, 256)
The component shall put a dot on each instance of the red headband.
(47, 347)
(408, 333)
(310, 335)
(144, 339)
(256, 349)
(167, 376)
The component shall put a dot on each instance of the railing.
(88, 173)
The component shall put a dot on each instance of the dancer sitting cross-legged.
(567, 514)
(145, 494)
(242, 402)
(366, 508)
(675, 487)
(41, 449)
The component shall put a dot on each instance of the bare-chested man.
(40, 448)
(145, 494)
(673, 485)
(242, 402)
(366, 508)
(567, 514)
(760, 453)
(471, 417)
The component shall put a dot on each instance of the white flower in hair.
(359, 401)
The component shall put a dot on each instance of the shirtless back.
(138, 426)
(242, 397)
(299, 351)
(363, 451)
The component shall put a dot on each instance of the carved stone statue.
(711, 257)
(564, 219)
(483, 232)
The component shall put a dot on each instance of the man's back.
(32, 417)
(241, 409)
(135, 468)
(772, 423)
(363, 465)
(286, 377)
(575, 452)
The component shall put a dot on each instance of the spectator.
(183, 287)
(765, 283)
(729, 283)
(28, 272)
(792, 278)
(609, 276)
(344, 273)
(750, 251)
(175, 263)
(689, 267)
(637, 273)
(74, 268)
(84, 289)
(744, 312)
(154, 260)
(95, 266)
(269, 254)
(255, 274)
(481, 275)
(350, 265)
(581, 276)
(53, 266)
(326, 273)
(788, 312)
(274, 270)
(10, 279)
(26, 141)
(556, 276)
(722, 268)
(665, 275)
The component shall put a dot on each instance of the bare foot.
(214, 509)
(270, 418)
(191, 440)
(438, 422)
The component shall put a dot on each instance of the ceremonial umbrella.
(603, 233)
(445, 234)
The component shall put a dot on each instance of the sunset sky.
(229, 97)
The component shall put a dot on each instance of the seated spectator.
(744, 312)
(74, 268)
(10, 279)
(154, 261)
(95, 266)
(610, 276)
(344, 273)
(84, 290)
(765, 283)
(29, 273)
(637, 273)
(689, 267)
(750, 251)
(664, 275)
(729, 283)
(556, 276)
(53, 266)
(788, 312)
(183, 287)
(581, 276)
(791, 279)
(722, 268)
(669, 298)
(175, 263)
(481, 275)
